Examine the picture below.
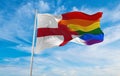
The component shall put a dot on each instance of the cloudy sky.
(16, 30)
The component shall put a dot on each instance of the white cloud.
(84, 9)
(16, 23)
(82, 71)
(111, 34)
(19, 29)
(11, 60)
(75, 9)
(74, 71)
(14, 71)
(102, 62)
(111, 16)
(25, 48)
(60, 10)
(43, 6)
(77, 61)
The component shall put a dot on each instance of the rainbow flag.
(87, 26)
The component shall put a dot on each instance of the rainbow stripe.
(88, 26)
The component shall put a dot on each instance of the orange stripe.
(81, 22)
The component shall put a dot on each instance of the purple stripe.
(90, 42)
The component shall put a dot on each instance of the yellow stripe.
(93, 26)
(81, 22)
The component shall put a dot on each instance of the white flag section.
(49, 23)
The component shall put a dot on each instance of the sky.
(16, 30)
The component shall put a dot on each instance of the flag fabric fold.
(75, 26)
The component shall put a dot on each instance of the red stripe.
(81, 15)
(48, 31)
(53, 31)
(56, 31)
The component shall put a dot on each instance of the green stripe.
(96, 31)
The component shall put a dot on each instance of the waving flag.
(75, 26)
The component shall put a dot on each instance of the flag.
(74, 26)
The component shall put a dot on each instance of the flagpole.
(33, 43)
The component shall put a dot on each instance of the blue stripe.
(87, 37)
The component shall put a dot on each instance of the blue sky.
(16, 30)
